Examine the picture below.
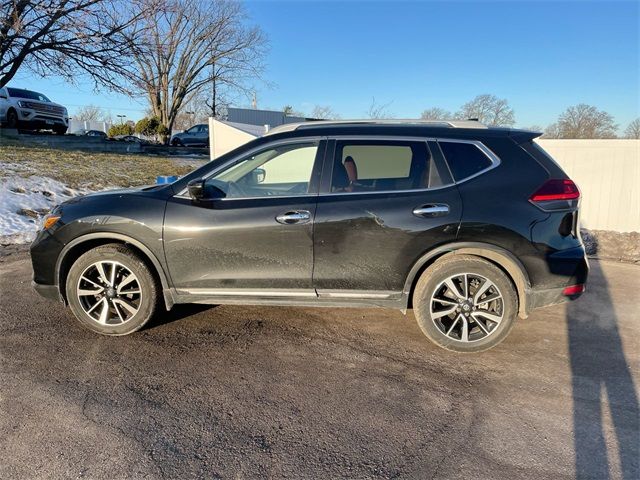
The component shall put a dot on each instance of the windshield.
(28, 94)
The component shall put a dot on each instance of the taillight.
(556, 189)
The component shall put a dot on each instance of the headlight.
(49, 221)
(23, 104)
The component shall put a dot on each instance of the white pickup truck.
(28, 110)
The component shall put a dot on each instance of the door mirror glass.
(259, 175)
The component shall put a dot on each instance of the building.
(271, 118)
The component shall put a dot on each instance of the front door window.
(284, 170)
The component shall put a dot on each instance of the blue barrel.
(162, 179)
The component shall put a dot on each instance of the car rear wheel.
(465, 304)
(111, 291)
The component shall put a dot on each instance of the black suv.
(469, 226)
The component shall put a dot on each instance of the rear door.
(383, 203)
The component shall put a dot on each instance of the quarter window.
(464, 159)
(367, 165)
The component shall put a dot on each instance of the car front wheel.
(111, 291)
(465, 304)
(12, 119)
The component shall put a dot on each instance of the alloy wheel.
(467, 307)
(109, 293)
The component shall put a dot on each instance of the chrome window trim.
(184, 193)
(495, 160)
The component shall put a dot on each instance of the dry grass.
(90, 170)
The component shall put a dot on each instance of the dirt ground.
(255, 392)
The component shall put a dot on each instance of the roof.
(469, 129)
(410, 122)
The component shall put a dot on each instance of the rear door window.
(374, 166)
(464, 159)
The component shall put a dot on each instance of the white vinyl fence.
(608, 175)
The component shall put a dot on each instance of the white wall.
(223, 138)
(608, 175)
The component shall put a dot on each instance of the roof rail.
(289, 127)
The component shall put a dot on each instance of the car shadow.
(178, 312)
(600, 375)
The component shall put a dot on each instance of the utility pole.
(213, 87)
(254, 102)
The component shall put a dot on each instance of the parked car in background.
(29, 110)
(470, 226)
(90, 133)
(132, 139)
(198, 135)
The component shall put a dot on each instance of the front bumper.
(47, 291)
(36, 119)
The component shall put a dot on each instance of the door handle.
(432, 210)
(294, 216)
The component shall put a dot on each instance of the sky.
(542, 56)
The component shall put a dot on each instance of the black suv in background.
(469, 226)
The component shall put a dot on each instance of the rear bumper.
(47, 291)
(565, 268)
(548, 297)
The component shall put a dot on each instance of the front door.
(256, 236)
(382, 205)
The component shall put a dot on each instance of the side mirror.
(199, 191)
(196, 189)
(259, 175)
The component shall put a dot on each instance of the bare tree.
(191, 45)
(488, 109)
(69, 38)
(290, 112)
(379, 110)
(552, 131)
(533, 128)
(195, 109)
(436, 113)
(583, 121)
(633, 130)
(90, 113)
(324, 112)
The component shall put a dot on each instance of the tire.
(469, 325)
(127, 310)
(12, 119)
(176, 142)
(60, 130)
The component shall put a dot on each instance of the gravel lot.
(254, 392)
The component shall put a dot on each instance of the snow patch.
(23, 203)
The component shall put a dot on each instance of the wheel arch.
(500, 257)
(72, 251)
